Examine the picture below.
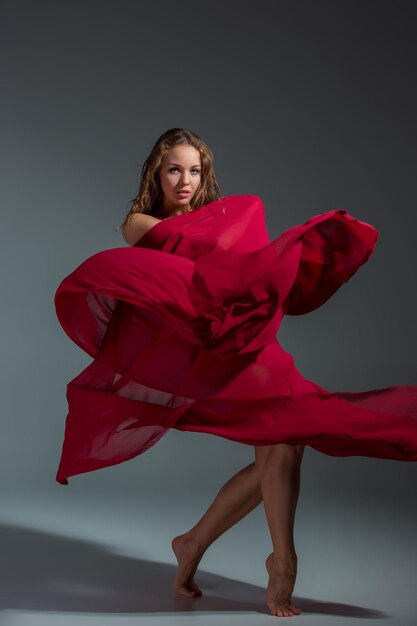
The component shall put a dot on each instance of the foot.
(282, 574)
(188, 556)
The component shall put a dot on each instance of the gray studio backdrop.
(310, 105)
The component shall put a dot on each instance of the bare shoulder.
(137, 226)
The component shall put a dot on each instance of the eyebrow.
(177, 164)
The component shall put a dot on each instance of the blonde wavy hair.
(150, 195)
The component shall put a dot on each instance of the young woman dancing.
(274, 476)
(182, 324)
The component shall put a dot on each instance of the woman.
(274, 477)
(182, 326)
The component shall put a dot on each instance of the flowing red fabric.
(182, 331)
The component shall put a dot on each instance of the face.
(179, 172)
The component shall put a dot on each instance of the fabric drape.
(182, 331)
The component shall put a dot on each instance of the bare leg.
(275, 477)
(280, 481)
(240, 495)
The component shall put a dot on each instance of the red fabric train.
(182, 331)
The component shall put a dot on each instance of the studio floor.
(72, 559)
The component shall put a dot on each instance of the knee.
(286, 453)
(261, 456)
(280, 453)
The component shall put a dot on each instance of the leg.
(280, 481)
(240, 495)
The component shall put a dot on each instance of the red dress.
(182, 330)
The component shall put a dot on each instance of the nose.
(184, 177)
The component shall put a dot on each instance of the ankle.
(286, 553)
(194, 540)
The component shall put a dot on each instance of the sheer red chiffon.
(182, 329)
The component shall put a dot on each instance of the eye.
(175, 169)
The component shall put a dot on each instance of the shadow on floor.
(48, 572)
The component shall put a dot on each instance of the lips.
(183, 193)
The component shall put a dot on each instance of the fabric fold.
(182, 329)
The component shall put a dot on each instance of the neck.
(166, 213)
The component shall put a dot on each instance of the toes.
(192, 591)
(288, 611)
(197, 590)
(278, 612)
(184, 591)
